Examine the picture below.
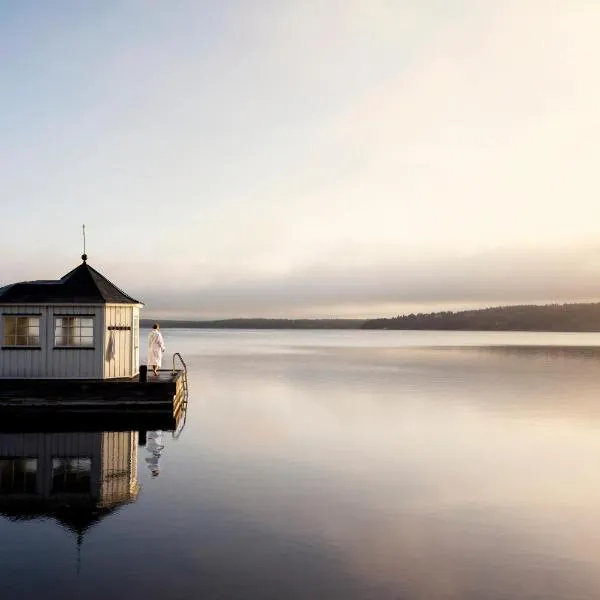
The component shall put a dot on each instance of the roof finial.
(84, 255)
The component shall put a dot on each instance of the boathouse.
(81, 326)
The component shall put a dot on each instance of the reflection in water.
(76, 478)
(345, 466)
(154, 446)
(435, 472)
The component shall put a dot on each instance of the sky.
(323, 158)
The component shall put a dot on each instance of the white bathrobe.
(156, 346)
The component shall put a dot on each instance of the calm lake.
(327, 465)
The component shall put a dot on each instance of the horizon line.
(247, 318)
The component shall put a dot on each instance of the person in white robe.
(156, 347)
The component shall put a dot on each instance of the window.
(18, 475)
(21, 330)
(74, 332)
(71, 475)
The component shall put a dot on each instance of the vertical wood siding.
(23, 363)
(119, 466)
(119, 315)
(76, 362)
(135, 341)
(48, 361)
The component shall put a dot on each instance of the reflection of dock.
(106, 418)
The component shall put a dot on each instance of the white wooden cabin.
(81, 326)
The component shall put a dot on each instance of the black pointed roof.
(82, 285)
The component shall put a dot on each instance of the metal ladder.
(180, 427)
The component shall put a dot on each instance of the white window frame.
(20, 340)
(76, 335)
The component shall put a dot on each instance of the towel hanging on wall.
(110, 348)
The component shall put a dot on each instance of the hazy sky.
(304, 158)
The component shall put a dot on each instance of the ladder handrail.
(181, 427)
(176, 354)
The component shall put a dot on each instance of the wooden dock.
(164, 394)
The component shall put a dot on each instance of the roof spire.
(84, 255)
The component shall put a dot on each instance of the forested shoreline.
(551, 317)
(249, 323)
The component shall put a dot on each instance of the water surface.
(331, 465)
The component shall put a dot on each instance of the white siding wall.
(119, 316)
(135, 337)
(81, 363)
(49, 362)
(23, 363)
(77, 362)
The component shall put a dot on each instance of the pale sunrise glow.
(336, 158)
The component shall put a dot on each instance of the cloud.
(284, 157)
(391, 286)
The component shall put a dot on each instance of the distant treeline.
(551, 317)
(260, 323)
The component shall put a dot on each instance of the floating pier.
(165, 393)
(72, 345)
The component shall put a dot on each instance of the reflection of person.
(155, 446)
(156, 347)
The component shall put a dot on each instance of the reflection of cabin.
(77, 478)
(80, 326)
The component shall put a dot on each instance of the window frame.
(15, 345)
(74, 326)
(68, 476)
(26, 479)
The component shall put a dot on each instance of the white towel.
(110, 348)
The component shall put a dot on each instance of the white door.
(136, 344)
